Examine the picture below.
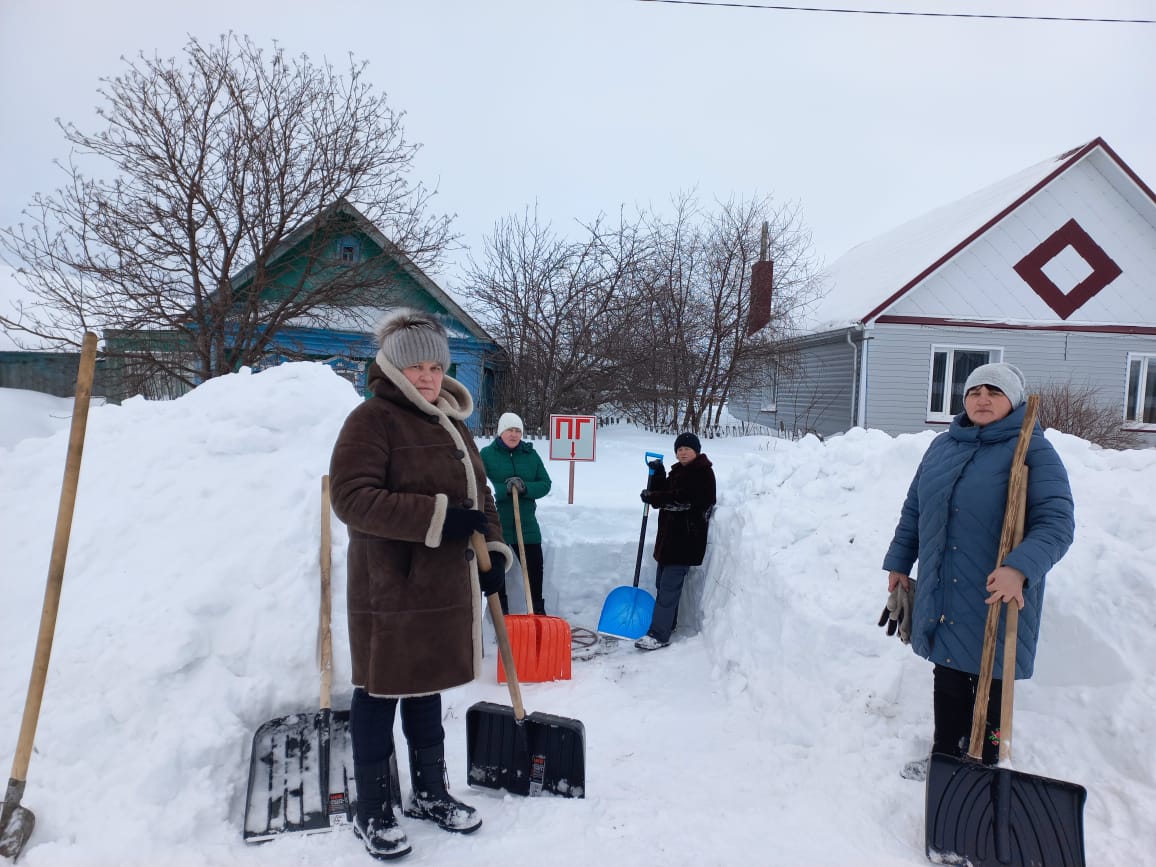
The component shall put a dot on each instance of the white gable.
(980, 283)
(1074, 218)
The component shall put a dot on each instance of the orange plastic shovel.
(540, 644)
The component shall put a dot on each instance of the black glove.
(645, 495)
(515, 482)
(460, 523)
(658, 467)
(897, 612)
(494, 579)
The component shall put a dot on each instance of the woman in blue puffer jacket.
(951, 523)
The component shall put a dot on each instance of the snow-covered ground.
(771, 731)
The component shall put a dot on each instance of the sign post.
(572, 439)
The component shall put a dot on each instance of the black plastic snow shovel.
(506, 748)
(16, 821)
(988, 816)
(301, 767)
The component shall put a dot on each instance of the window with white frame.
(1140, 402)
(348, 249)
(950, 367)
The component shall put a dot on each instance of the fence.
(737, 428)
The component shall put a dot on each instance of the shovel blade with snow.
(994, 817)
(16, 822)
(301, 767)
(300, 776)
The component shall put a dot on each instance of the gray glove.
(897, 613)
(515, 482)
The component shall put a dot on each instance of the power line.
(778, 8)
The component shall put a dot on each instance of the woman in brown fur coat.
(410, 486)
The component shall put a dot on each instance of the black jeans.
(534, 567)
(371, 724)
(954, 703)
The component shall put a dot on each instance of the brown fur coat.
(415, 607)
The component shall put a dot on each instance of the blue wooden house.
(340, 335)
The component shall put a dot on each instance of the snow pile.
(770, 732)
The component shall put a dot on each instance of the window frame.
(351, 243)
(994, 354)
(1147, 362)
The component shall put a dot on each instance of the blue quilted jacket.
(951, 523)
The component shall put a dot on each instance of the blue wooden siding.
(349, 353)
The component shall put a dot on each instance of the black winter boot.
(431, 798)
(375, 825)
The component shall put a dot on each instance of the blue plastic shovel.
(627, 610)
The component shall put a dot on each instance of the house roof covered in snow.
(361, 318)
(871, 279)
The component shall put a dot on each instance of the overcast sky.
(582, 105)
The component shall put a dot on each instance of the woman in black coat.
(684, 500)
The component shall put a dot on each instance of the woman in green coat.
(512, 464)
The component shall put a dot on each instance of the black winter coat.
(685, 498)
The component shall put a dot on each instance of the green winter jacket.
(501, 463)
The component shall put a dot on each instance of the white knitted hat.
(509, 420)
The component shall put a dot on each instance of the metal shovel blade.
(994, 817)
(16, 822)
(300, 776)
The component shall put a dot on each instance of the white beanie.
(1006, 377)
(509, 420)
(409, 337)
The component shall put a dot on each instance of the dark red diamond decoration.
(1104, 270)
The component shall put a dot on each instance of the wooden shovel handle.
(1013, 518)
(1010, 638)
(59, 555)
(324, 630)
(499, 620)
(522, 551)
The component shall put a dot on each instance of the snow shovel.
(506, 748)
(16, 821)
(540, 644)
(988, 816)
(301, 767)
(627, 610)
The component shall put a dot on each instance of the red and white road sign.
(572, 437)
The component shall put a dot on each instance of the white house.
(1052, 269)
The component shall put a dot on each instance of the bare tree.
(699, 297)
(558, 307)
(1079, 410)
(649, 315)
(221, 162)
